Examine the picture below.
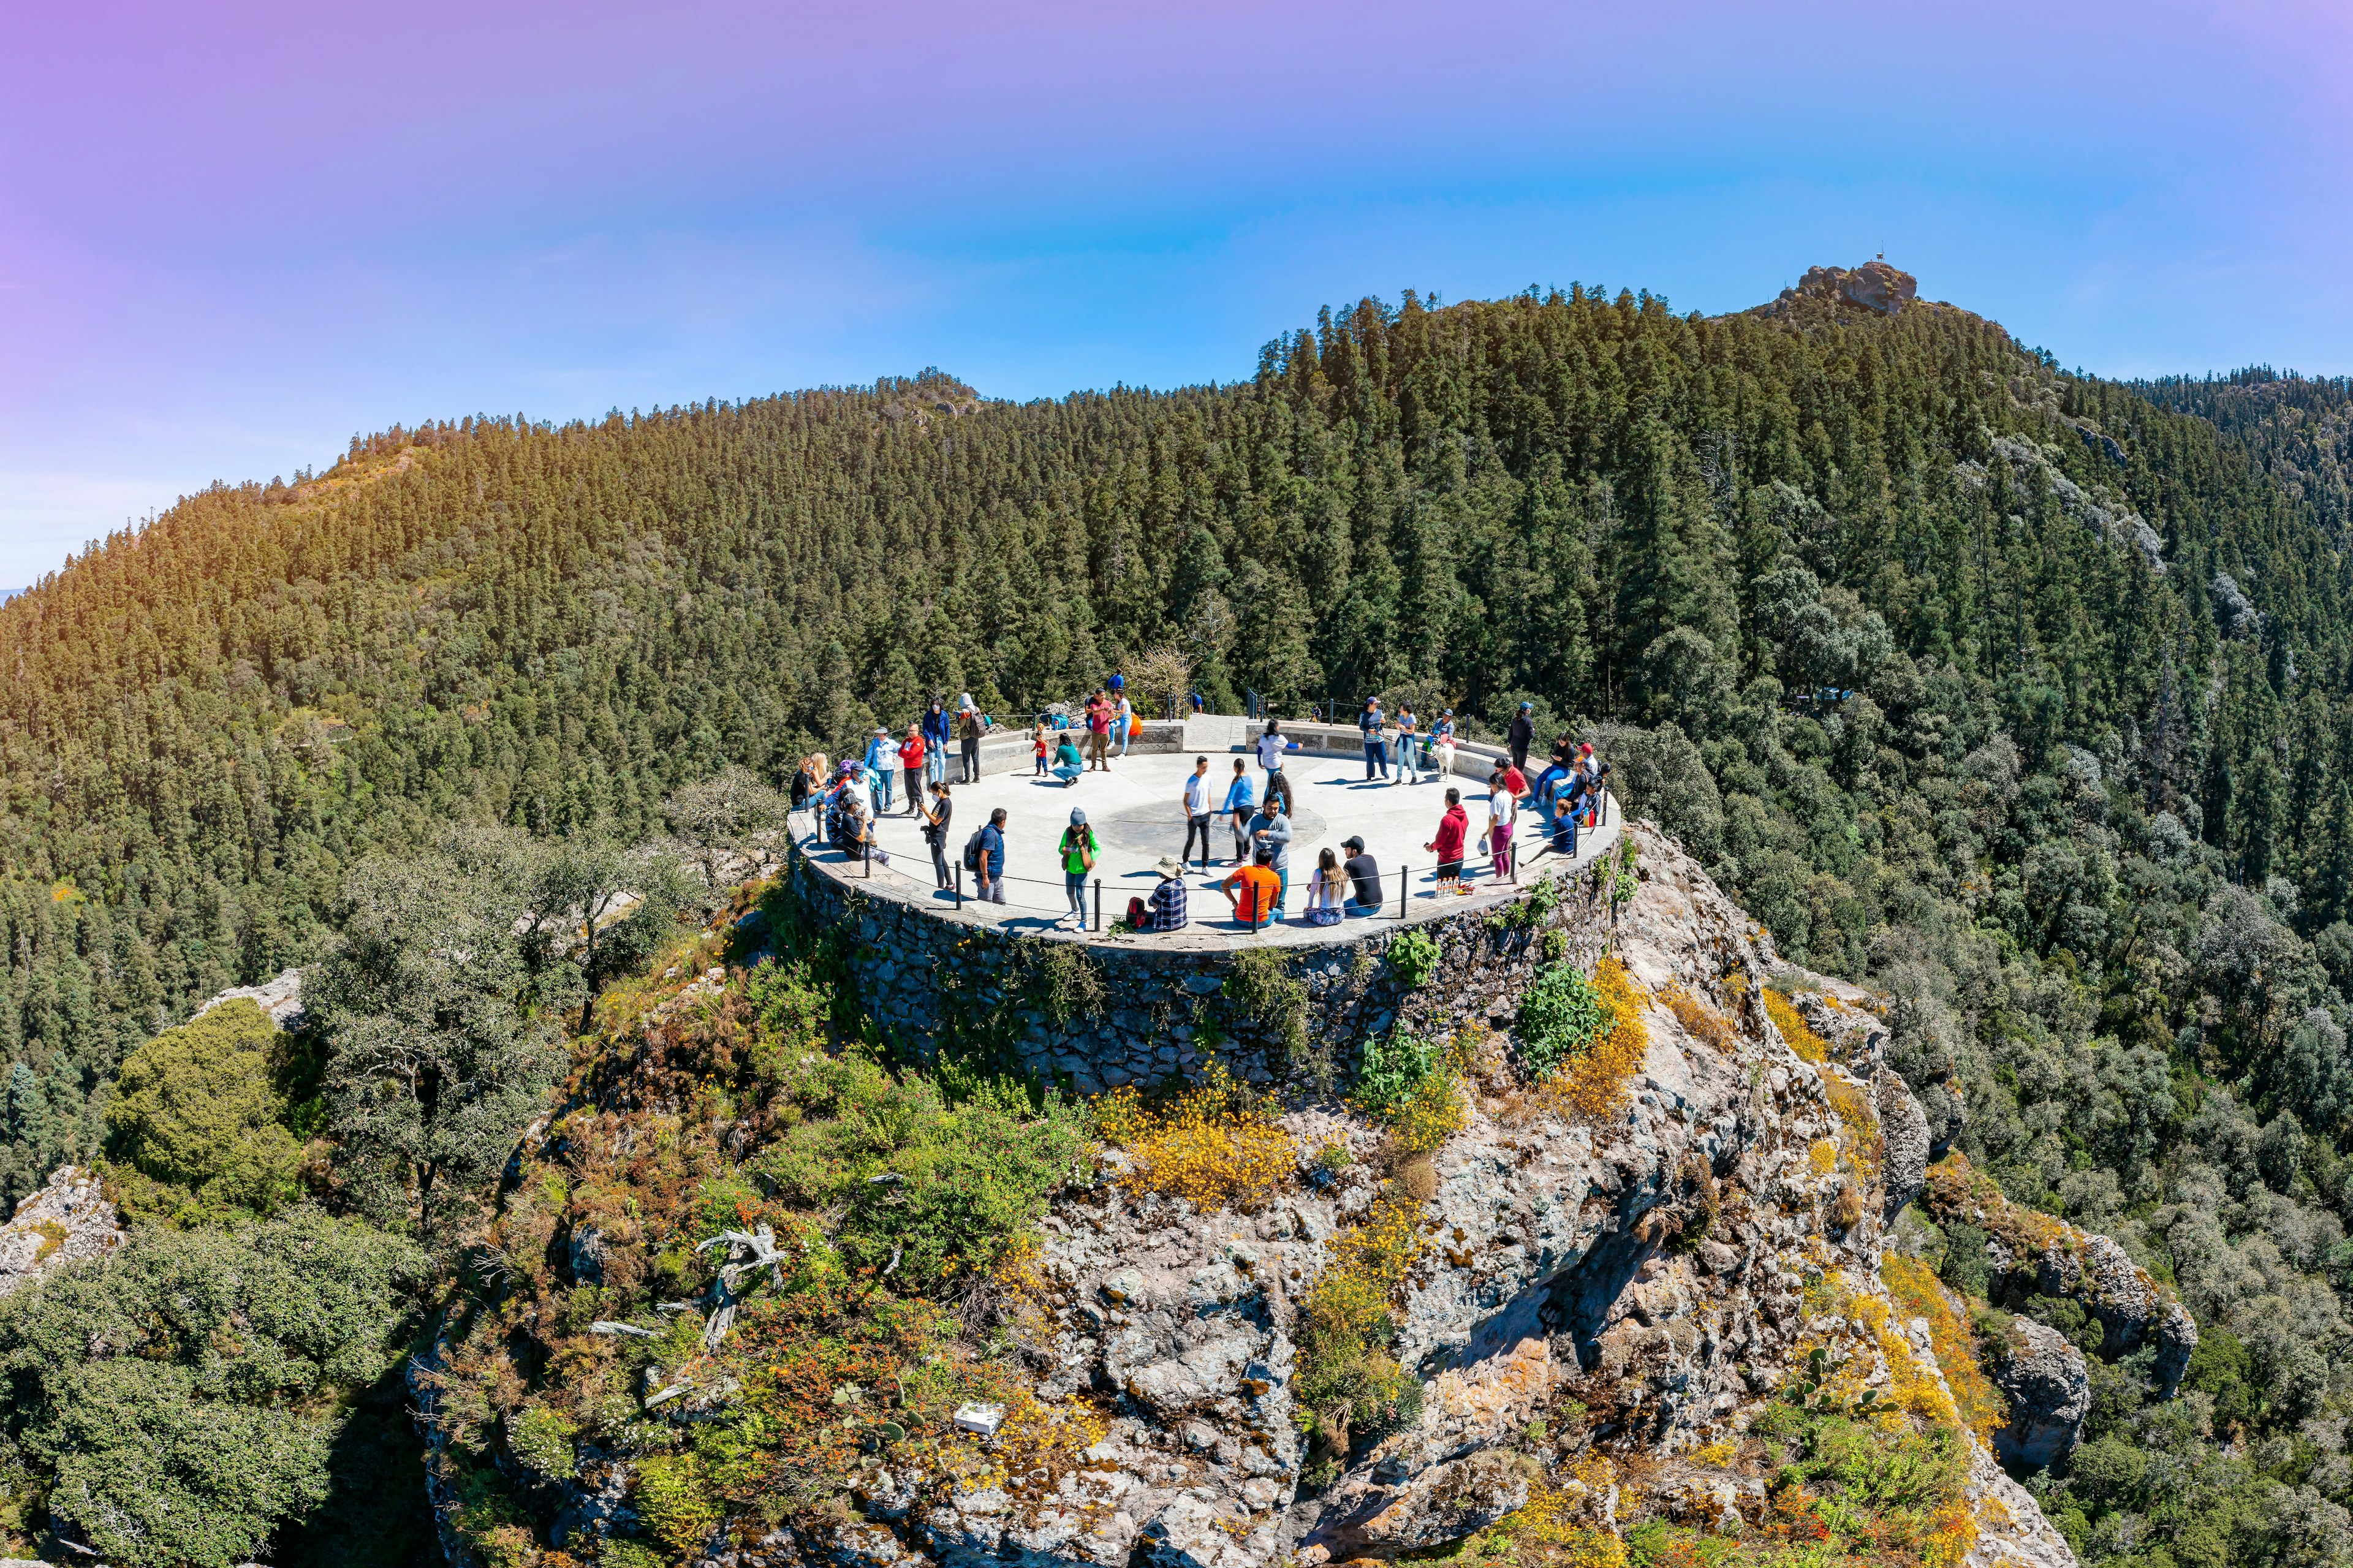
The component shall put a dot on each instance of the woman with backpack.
(1078, 852)
(936, 817)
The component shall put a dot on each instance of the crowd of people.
(1566, 794)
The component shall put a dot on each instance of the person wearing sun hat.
(1441, 741)
(882, 761)
(1166, 910)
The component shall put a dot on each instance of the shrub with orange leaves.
(1218, 1145)
(1920, 1294)
(1700, 1021)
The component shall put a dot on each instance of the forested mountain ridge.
(2023, 697)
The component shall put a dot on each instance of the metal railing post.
(1098, 903)
(959, 884)
(1404, 889)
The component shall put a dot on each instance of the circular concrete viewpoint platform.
(1136, 810)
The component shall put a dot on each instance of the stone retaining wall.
(1139, 1015)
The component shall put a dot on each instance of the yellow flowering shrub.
(1700, 1021)
(1218, 1145)
(1592, 1084)
(1920, 1294)
(1862, 1137)
(1800, 1037)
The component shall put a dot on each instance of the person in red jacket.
(911, 751)
(1452, 828)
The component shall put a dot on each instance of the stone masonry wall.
(1094, 1017)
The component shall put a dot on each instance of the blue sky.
(232, 236)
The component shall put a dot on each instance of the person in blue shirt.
(1376, 749)
(880, 757)
(1550, 784)
(1241, 800)
(992, 857)
(939, 730)
(1270, 830)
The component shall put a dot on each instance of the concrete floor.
(1136, 810)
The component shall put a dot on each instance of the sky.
(233, 235)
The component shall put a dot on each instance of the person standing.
(1502, 811)
(911, 763)
(1242, 801)
(939, 731)
(936, 817)
(1376, 751)
(882, 761)
(968, 737)
(1404, 744)
(1270, 830)
(991, 869)
(1078, 852)
(1123, 719)
(1442, 742)
(1271, 747)
(1038, 748)
(1196, 811)
(1098, 732)
(1522, 733)
(1452, 828)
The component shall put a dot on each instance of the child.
(1038, 748)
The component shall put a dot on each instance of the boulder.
(2050, 1393)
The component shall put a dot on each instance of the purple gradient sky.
(233, 235)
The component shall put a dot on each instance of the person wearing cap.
(1364, 878)
(1523, 734)
(1258, 888)
(1078, 852)
(1068, 764)
(967, 730)
(881, 759)
(1377, 749)
(1165, 911)
(1442, 742)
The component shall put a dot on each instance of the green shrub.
(541, 1438)
(1559, 1017)
(970, 1177)
(193, 1109)
(1392, 1068)
(1262, 988)
(1413, 957)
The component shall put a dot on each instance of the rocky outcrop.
(280, 998)
(2050, 1393)
(70, 1220)
(1874, 286)
(2032, 1251)
(1904, 1139)
(2108, 515)
(1643, 1283)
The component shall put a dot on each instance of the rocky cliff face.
(66, 1221)
(1613, 1314)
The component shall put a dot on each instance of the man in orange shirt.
(1260, 887)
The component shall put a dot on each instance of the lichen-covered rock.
(1903, 1131)
(67, 1221)
(2050, 1393)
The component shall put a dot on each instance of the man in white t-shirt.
(1196, 811)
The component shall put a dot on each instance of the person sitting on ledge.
(1068, 763)
(1166, 911)
(1254, 907)
(1365, 873)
